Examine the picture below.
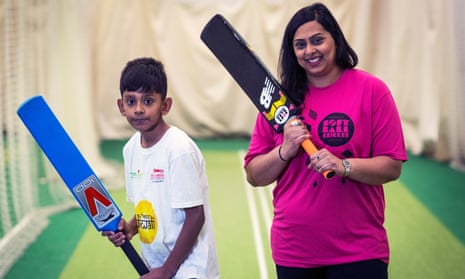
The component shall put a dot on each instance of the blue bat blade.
(70, 164)
(75, 171)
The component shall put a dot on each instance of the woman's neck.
(325, 80)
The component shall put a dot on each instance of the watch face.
(347, 167)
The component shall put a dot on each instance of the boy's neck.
(150, 138)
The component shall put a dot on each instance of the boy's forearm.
(195, 218)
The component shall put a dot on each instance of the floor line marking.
(255, 223)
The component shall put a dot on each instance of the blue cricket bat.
(73, 168)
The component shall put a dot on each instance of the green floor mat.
(440, 188)
(423, 215)
(421, 247)
(47, 256)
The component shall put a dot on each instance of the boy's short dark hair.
(145, 75)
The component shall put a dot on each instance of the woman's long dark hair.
(293, 77)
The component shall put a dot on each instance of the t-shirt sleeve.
(186, 177)
(263, 139)
(388, 138)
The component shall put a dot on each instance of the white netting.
(27, 197)
(458, 138)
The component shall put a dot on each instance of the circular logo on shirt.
(147, 222)
(336, 129)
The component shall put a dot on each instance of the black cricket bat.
(253, 77)
(73, 168)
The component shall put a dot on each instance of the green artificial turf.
(47, 256)
(440, 188)
(423, 215)
(421, 246)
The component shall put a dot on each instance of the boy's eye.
(130, 101)
(148, 101)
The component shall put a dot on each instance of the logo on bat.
(279, 111)
(95, 201)
(267, 93)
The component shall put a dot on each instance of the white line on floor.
(255, 225)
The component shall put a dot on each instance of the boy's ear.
(119, 102)
(167, 103)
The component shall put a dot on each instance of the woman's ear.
(166, 107)
(120, 104)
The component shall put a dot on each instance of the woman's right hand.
(295, 132)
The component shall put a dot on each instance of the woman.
(328, 228)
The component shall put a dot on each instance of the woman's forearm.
(264, 169)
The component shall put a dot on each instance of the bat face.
(252, 76)
(70, 164)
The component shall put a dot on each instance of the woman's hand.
(324, 160)
(374, 171)
(295, 132)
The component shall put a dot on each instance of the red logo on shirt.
(157, 175)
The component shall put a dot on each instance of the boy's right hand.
(118, 238)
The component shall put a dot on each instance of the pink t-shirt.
(320, 222)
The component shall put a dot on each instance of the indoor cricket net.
(29, 189)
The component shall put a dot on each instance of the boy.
(165, 179)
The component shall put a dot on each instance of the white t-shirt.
(161, 181)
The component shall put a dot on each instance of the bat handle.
(311, 149)
(134, 258)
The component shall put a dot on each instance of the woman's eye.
(300, 45)
(317, 40)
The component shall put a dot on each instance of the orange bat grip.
(311, 149)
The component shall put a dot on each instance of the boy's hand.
(124, 232)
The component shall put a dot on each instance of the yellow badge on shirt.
(147, 223)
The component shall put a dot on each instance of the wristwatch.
(347, 167)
